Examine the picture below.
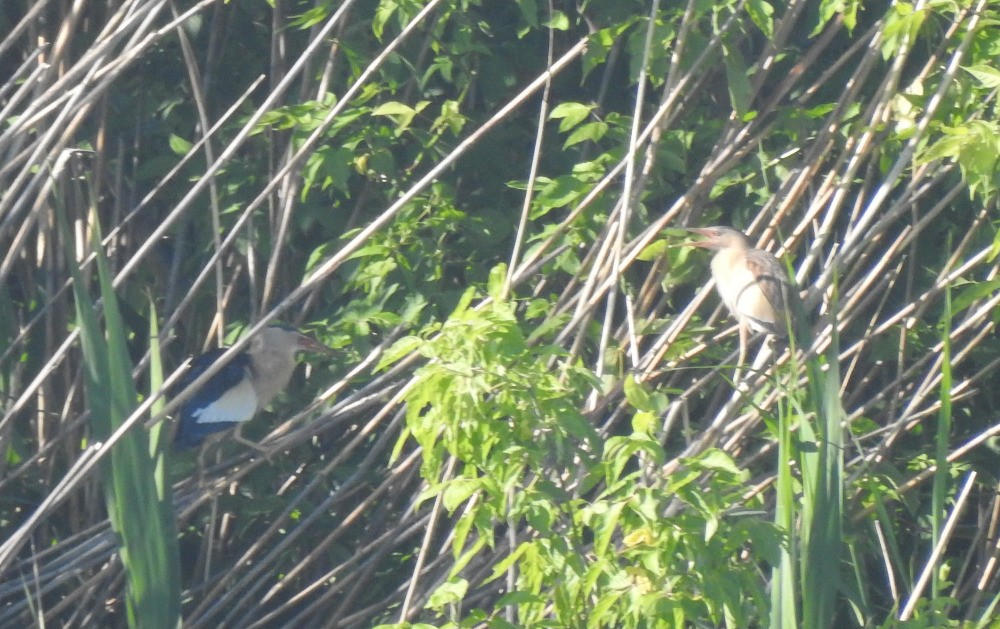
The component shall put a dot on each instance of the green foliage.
(137, 491)
(975, 147)
(818, 542)
(488, 400)
(492, 402)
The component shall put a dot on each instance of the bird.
(243, 387)
(751, 282)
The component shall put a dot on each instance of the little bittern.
(752, 283)
(243, 387)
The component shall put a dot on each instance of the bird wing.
(225, 400)
(772, 279)
(228, 396)
(235, 405)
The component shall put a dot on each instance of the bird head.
(719, 237)
(285, 339)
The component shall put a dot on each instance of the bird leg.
(201, 464)
(203, 450)
(744, 327)
(238, 436)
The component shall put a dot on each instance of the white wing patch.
(238, 404)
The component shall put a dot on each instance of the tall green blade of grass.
(942, 470)
(137, 499)
(814, 522)
(159, 434)
(822, 463)
(783, 611)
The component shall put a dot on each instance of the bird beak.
(701, 231)
(309, 344)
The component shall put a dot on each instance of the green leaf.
(653, 250)
(398, 350)
(949, 146)
(457, 491)
(496, 281)
(529, 16)
(571, 114)
(463, 302)
(310, 17)
(600, 44)
(637, 395)
(830, 8)
(386, 9)
(401, 113)
(179, 145)
(461, 533)
(451, 591)
(558, 21)
(557, 193)
(711, 527)
(449, 117)
(592, 131)
(394, 108)
(330, 167)
(504, 564)
(740, 90)
(973, 292)
(715, 459)
(902, 23)
(518, 598)
(988, 76)
(975, 146)
(644, 422)
(762, 14)
(605, 526)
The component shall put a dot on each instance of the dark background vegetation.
(530, 419)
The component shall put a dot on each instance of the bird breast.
(738, 287)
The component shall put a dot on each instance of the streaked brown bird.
(752, 283)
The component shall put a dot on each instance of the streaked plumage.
(752, 283)
(242, 388)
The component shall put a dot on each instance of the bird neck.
(271, 370)
(725, 259)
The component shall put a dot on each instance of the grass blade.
(139, 508)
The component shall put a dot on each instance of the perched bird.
(243, 387)
(752, 283)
